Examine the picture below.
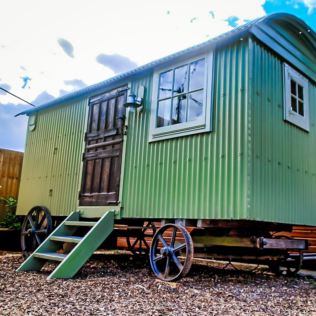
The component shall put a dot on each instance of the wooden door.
(103, 150)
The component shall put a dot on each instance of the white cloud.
(140, 30)
(311, 4)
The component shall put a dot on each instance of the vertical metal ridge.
(283, 157)
(198, 176)
(51, 176)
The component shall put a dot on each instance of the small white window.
(296, 107)
(181, 100)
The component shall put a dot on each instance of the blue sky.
(51, 47)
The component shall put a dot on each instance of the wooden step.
(70, 239)
(79, 223)
(54, 256)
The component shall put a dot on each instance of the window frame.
(301, 121)
(187, 128)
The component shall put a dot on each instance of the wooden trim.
(97, 135)
(98, 199)
(108, 153)
(108, 96)
(204, 124)
(103, 144)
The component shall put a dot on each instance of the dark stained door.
(103, 149)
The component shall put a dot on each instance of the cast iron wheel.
(289, 265)
(136, 240)
(171, 252)
(37, 225)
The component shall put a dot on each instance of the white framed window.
(296, 105)
(181, 99)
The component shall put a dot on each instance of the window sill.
(175, 131)
(298, 121)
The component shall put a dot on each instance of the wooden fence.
(10, 174)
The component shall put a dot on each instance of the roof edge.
(222, 38)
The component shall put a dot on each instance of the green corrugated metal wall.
(252, 166)
(283, 157)
(200, 176)
(53, 156)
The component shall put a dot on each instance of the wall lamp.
(134, 101)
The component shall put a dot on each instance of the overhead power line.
(16, 96)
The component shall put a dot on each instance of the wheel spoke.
(37, 215)
(41, 222)
(173, 238)
(41, 231)
(180, 247)
(140, 245)
(158, 258)
(162, 240)
(135, 243)
(146, 227)
(37, 239)
(26, 232)
(148, 235)
(177, 262)
(30, 219)
(145, 243)
(167, 268)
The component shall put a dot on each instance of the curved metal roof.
(225, 38)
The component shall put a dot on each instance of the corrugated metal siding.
(52, 166)
(283, 156)
(200, 176)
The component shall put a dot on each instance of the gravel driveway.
(120, 285)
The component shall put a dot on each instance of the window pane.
(165, 84)
(197, 75)
(195, 109)
(293, 87)
(300, 108)
(179, 109)
(164, 109)
(293, 104)
(300, 92)
(181, 79)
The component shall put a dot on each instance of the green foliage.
(10, 220)
(9, 202)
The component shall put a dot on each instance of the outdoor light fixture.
(134, 101)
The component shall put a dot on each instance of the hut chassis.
(172, 243)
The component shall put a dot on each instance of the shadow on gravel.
(101, 265)
(126, 265)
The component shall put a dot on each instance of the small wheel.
(138, 242)
(294, 264)
(37, 225)
(289, 265)
(171, 252)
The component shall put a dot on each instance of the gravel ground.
(120, 285)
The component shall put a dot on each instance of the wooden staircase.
(69, 264)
